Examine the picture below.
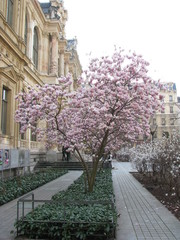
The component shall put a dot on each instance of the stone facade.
(33, 50)
(167, 121)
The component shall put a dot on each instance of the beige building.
(33, 50)
(167, 121)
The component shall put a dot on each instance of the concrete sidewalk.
(142, 216)
(8, 212)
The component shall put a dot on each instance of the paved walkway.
(8, 212)
(142, 216)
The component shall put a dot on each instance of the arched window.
(25, 31)
(35, 48)
(10, 12)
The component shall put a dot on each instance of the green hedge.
(17, 186)
(75, 214)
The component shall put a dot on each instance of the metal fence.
(28, 204)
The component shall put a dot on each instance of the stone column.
(61, 64)
(66, 69)
(31, 39)
(72, 72)
(45, 51)
(54, 59)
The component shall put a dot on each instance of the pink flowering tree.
(111, 107)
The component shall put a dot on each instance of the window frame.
(35, 47)
(26, 30)
(171, 121)
(170, 98)
(171, 110)
(163, 121)
(4, 110)
(165, 134)
(10, 6)
(33, 136)
(22, 135)
(154, 121)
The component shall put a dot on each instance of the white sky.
(148, 27)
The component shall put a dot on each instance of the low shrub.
(160, 161)
(74, 214)
(17, 186)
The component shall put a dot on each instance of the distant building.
(33, 50)
(167, 121)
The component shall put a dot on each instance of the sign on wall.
(14, 158)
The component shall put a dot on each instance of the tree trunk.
(93, 176)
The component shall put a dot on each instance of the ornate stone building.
(167, 121)
(33, 50)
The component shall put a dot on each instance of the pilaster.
(66, 68)
(30, 31)
(45, 51)
(61, 56)
(16, 16)
(54, 57)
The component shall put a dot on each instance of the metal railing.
(22, 201)
(22, 210)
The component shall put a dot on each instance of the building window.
(50, 54)
(33, 134)
(165, 134)
(22, 134)
(4, 111)
(35, 48)
(33, 137)
(26, 31)
(154, 135)
(163, 110)
(170, 98)
(163, 121)
(154, 121)
(10, 12)
(171, 121)
(171, 109)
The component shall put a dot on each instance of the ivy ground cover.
(74, 214)
(17, 186)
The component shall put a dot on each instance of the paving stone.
(149, 219)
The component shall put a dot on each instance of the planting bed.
(17, 186)
(74, 214)
(162, 192)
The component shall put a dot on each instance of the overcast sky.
(148, 27)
